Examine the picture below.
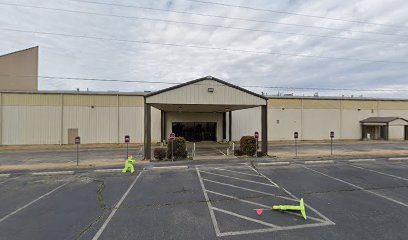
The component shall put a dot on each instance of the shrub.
(179, 148)
(261, 154)
(248, 145)
(159, 153)
(238, 152)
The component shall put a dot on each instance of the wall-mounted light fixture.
(227, 109)
(179, 109)
(210, 90)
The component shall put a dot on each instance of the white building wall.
(156, 125)
(245, 123)
(351, 127)
(131, 122)
(396, 132)
(283, 123)
(95, 125)
(31, 125)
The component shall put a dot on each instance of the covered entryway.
(199, 110)
(384, 128)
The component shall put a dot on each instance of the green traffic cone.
(300, 208)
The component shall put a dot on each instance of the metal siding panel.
(285, 103)
(349, 104)
(31, 99)
(131, 101)
(90, 100)
(289, 122)
(97, 125)
(321, 104)
(319, 122)
(223, 95)
(131, 123)
(393, 105)
(245, 122)
(31, 125)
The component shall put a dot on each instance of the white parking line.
(32, 202)
(358, 187)
(319, 162)
(214, 220)
(245, 217)
(251, 190)
(261, 205)
(222, 169)
(240, 179)
(220, 151)
(100, 231)
(265, 230)
(385, 174)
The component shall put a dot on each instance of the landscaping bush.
(179, 149)
(248, 145)
(159, 153)
(261, 154)
(238, 152)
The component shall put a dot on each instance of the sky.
(290, 44)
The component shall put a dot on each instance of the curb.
(362, 160)
(52, 173)
(107, 170)
(5, 175)
(319, 162)
(398, 159)
(170, 167)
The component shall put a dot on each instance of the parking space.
(343, 201)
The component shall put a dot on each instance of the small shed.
(384, 128)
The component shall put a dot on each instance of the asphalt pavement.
(366, 200)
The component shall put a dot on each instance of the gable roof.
(202, 79)
(381, 119)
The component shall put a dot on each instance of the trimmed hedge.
(248, 145)
(159, 153)
(179, 149)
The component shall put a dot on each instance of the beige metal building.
(19, 70)
(206, 109)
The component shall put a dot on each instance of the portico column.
(230, 126)
(147, 132)
(264, 129)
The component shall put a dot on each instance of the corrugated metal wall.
(44, 118)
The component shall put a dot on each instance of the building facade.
(205, 109)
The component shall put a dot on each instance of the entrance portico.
(199, 110)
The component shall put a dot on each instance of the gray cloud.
(73, 57)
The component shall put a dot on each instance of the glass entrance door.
(196, 131)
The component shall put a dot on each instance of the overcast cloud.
(86, 58)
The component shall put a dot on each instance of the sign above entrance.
(172, 136)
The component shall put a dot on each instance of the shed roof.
(381, 119)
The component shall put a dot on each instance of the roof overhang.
(206, 94)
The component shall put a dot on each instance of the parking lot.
(211, 201)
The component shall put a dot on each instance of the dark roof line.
(18, 51)
(381, 119)
(202, 79)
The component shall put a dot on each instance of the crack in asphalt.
(105, 209)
